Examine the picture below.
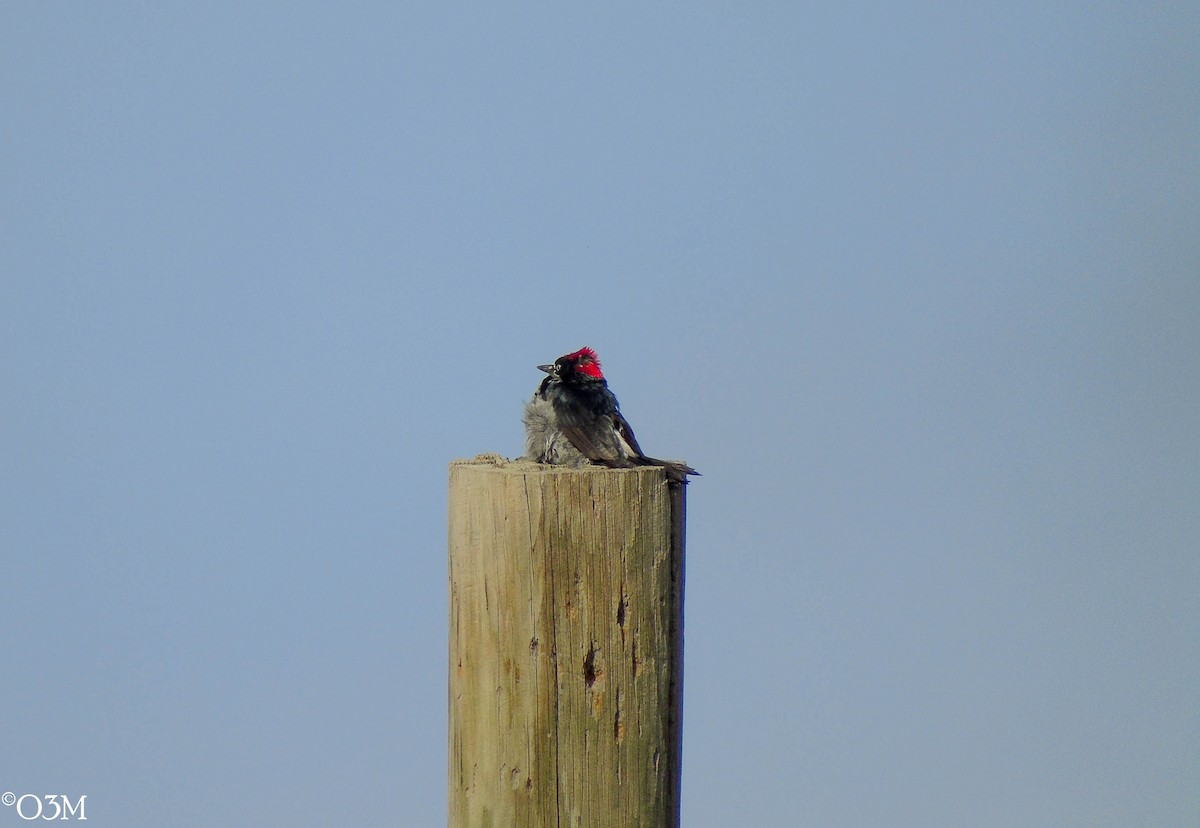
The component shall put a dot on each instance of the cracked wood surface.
(566, 639)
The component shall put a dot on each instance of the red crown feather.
(587, 363)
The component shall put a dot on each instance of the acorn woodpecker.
(574, 420)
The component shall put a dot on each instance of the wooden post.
(566, 646)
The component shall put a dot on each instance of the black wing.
(598, 441)
(625, 432)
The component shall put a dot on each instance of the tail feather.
(677, 472)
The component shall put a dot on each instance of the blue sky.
(916, 287)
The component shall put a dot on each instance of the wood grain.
(566, 641)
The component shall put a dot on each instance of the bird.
(575, 420)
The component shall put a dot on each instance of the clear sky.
(915, 286)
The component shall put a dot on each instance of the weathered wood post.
(566, 646)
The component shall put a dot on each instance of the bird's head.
(581, 366)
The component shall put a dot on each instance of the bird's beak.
(549, 369)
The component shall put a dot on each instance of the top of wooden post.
(519, 465)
